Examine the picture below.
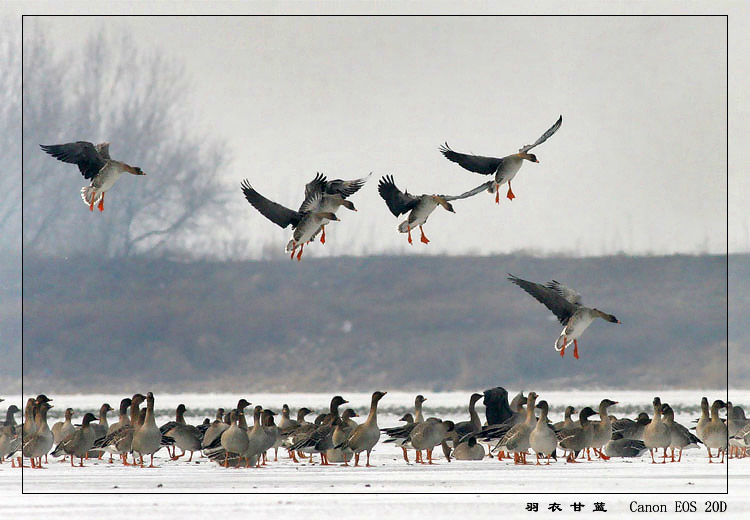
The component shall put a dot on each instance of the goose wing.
(552, 299)
(81, 153)
(399, 202)
(546, 135)
(276, 213)
(465, 195)
(473, 163)
(337, 186)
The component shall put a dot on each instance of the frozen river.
(444, 489)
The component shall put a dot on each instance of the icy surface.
(291, 487)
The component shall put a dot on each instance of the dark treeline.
(356, 323)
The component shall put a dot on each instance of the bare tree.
(110, 90)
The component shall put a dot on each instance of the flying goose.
(419, 207)
(504, 168)
(95, 164)
(566, 304)
(306, 222)
(333, 196)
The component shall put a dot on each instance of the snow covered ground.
(445, 489)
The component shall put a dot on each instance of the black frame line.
(374, 493)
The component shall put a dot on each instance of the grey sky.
(639, 164)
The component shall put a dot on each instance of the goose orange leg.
(423, 238)
(291, 257)
(406, 455)
(497, 194)
(299, 255)
(101, 203)
(409, 234)
(575, 349)
(322, 237)
(368, 465)
(565, 344)
(93, 198)
(510, 192)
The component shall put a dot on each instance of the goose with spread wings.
(306, 222)
(504, 168)
(419, 207)
(95, 165)
(566, 304)
(333, 195)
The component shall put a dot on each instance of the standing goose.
(100, 429)
(342, 430)
(319, 439)
(419, 207)
(40, 442)
(123, 421)
(147, 439)
(504, 168)
(578, 437)
(256, 437)
(542, 438)
(120, 440)
(78, 443)
(399, 435)
(428, 434)
(657, 434)
(214, 431)
(95, 165)
(271, 432)
(8, 434)
(63, 429)
(333, 195)
(473, 425)
(10, 416)
(517, 438)
(234, 440)
(715, 433)
(567, 422)
(306, 222)
(186, 436)
(680, 437)
(602, 429)
(703, 421)
(566, 304)
(365, 436)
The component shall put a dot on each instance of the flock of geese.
(323, 198)
(231, 441)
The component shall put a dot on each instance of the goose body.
(79, 442)
(428, 434)
(542, 438)
(657, 434)
(469, 450)
(566, 304)
(365, 436)
(504, 169)
(715, 433)
(418, 207)
(95, 165)
(147, 438)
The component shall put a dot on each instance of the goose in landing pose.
(95, 165)
(504, 168)
(333, 196)
(306, 222)
(419, 207)
(567, 305)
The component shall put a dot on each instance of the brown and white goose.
(365, 436)
(419, 207)
(504, 168)
(95, 165)
(306, 222)
(566, 304)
